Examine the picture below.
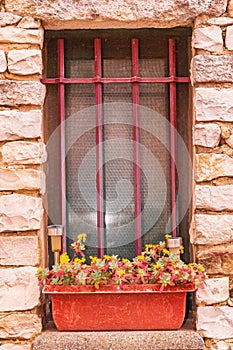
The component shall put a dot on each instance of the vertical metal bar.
(136, 135)
(172, 87)
(61, 123)
(99, 149)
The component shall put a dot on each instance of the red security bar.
(136, 136)
(61, 123)
(99, 150)
(115, 80)
(172, 88)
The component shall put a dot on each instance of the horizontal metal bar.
(115, 80)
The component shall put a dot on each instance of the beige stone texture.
(220, 21)
(221, 345)
(216, 290)
(24, 62)
(207, 135)
(19, 179)
(210, 69)
(230, 8)
(215, 321)
(7, 18)
(14, 93)
(216, 260)
(229, 38)
(229, 141)
(212, 229)
(23, 152)
(20, 212)
(15, 125)
(214, 104)
(19, 325)
(19, 250)
(19, 288)
(29, 23)
(12, 34)
(12, 346)
(216, 198)
(211, 166)
(3, 63)
(71, 14)
(208, 38)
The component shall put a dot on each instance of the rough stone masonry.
(22, 149)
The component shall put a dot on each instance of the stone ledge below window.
(113, 340)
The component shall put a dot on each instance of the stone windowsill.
(184, 339)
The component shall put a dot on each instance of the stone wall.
(23, 152)
(211, 236)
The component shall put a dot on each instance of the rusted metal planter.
(136, 307)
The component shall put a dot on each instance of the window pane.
(80, 136)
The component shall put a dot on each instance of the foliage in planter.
(155, 265)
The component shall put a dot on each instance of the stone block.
(29, 23)
(19, 325)
(24, 62)
(20, 212)
(207, 135)
(214, 104)
(19, 250)
(229, 141)
(208, 38)
(16, 125)
(14, 93)
(12, 34)
(220, 21)
(220, 345)
(213, 229)
(12, 346)
(23, 152)
(18, 179)
(229, 38)
(215, 321)
(7, 18)
(217, 260)
(3, 64)
(212, 69)
(216, 290)
(19, 288)
(210, 166)
(216, 198)
(69, 14)
(230, 8)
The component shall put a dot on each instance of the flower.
(155, 265)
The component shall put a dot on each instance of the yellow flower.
(93, 259)
(168, 236)
(125, 260)
(64, 258)
(107, 257)
(200, 267)
(181, 249)
(82, 237)
(77, 260)
(157, 266)
(39, 270)
(121, 272)
(140, 257)
(165, 251)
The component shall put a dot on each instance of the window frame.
(172, 79)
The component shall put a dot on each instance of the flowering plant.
(155, 265)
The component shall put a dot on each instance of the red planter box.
(136, 307)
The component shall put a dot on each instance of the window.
(112, 169)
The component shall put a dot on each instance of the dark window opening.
(109, 173)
